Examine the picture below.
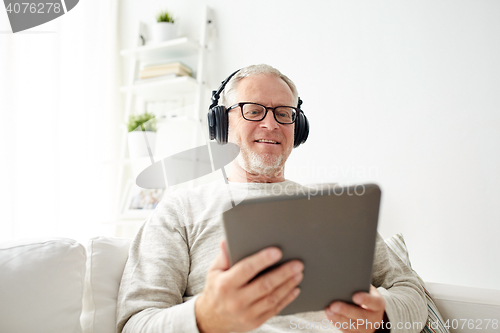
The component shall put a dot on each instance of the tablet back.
(333, 233)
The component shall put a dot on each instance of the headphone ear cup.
(301, 131)
(211, 124)
(224, 126)
(305, 135)
(297, 131)
(221, 124)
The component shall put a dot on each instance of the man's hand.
(351, 318)
(231, 303)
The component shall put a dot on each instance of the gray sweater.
(174, 248)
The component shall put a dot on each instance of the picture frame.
(139, 203)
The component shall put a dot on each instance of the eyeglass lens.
(282, 114)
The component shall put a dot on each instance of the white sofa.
(57, 285)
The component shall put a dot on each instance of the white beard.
(261, 164)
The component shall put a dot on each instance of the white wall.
(405, 94)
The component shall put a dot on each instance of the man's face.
(256, 156)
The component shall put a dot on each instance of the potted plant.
(164, 29)
(142, 134)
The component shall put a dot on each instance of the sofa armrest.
(464, 306)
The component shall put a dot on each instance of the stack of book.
(164, 70)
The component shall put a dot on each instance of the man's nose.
(269, 120)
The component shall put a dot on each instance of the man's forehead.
(264, 87)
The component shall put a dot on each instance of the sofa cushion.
(106, 258)
(435, 322)
(41, 286)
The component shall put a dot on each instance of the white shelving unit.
(143, 92)
(179, 47)
(159, 90)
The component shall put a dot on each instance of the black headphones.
(218, 123)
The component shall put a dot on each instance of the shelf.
(175, 48)
(160, 90)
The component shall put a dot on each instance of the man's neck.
(239, 175)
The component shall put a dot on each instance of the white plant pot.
(162, 31)
(137, 146)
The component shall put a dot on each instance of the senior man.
(177, 280)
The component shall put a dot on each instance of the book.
(163, 71)
(154, 70)
(168, 65)
(158, 78)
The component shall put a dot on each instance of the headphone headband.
(216, 94)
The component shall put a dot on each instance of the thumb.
(221, 262)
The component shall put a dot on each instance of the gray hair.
(228, 96)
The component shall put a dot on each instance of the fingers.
(271, 281)
(370, 310)
(284, 296)
(273, 299)
(287, 300)
(346, 310)
(230, 301)
(245, 270)
(372, 301)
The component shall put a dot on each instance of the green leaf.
(164, 16)
(142, 122)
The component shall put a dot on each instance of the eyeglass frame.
(241, 104)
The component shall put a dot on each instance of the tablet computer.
(333, 232)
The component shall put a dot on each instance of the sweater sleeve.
(405, 302)
(151, 296)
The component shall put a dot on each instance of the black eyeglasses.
(257, 112)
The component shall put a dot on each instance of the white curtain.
(58, 125)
